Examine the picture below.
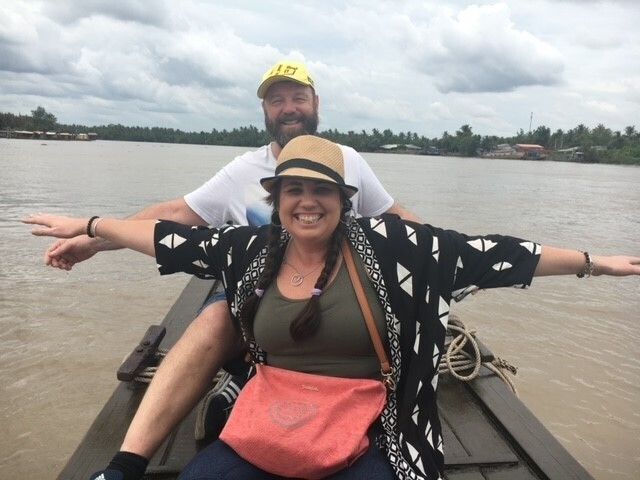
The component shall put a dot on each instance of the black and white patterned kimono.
(416, 271)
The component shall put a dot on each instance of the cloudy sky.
(424, 66)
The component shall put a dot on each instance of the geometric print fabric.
(413, 268)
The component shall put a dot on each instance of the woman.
(289, 292)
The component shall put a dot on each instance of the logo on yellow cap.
(285, 71)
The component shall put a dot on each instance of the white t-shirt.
(235, 194)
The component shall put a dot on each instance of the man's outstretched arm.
(403, 213)
(65, 253)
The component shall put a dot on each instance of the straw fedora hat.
(312, 158)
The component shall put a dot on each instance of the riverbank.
(593, 157)
(596, 145)
(608, 158)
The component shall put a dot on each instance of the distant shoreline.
(580, 144)
(549, 158)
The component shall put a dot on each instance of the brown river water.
(62, 335)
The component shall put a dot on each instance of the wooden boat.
(488, 433)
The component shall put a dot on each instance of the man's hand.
(65, 253)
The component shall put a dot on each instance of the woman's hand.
(133, 234)
(618, 266)
(56, 225)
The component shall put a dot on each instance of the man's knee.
(216, 318)
(215, 329)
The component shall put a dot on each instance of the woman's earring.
(347, 213)
(347, 217)
(275, 219)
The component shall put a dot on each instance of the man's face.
(290, 110)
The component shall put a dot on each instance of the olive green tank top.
(342, 345)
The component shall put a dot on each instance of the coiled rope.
(146, 374)
(457, 360)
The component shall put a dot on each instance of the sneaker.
(216, 406)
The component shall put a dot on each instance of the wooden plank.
(180, 447)
(106, 433)
(502, 472)
(453, 449)
(468, 474)
(477, 440)
(544, 452)
(519, 472)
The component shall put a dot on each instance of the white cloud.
(17, 26)
(480, 50)
(602, 107)
(149, 12)
(424, 66)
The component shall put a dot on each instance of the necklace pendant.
(296, 280)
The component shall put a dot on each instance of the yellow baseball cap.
(285, 70)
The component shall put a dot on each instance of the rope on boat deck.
(457, 360)
(146, 374)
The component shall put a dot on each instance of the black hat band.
(310, 165)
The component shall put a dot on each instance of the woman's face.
(309, 209)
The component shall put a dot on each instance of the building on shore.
(531, 151)
(399, 148)
(519, 151)
(572, 154)
(430, 150)
(38, 135)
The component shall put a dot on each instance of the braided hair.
(307, 322)
(275, 255)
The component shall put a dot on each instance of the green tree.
(541, 136)
(557, 139)
(466, 143)
(43, 120)
(601, 135)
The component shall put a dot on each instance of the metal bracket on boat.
(143, 355)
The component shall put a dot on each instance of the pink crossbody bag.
(300, 425)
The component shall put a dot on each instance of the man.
(290, 106)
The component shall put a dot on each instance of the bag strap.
(385, 365)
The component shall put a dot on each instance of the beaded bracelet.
(589, 267)
(94, 227)
(89, 224)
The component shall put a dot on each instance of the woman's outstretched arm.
(134, 234)
(560, 261)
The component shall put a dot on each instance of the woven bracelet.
(588, 267)
(89, 223)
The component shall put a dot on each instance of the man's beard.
(277, 130)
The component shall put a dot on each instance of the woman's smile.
(308, 218)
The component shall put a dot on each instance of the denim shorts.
(216, 296)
